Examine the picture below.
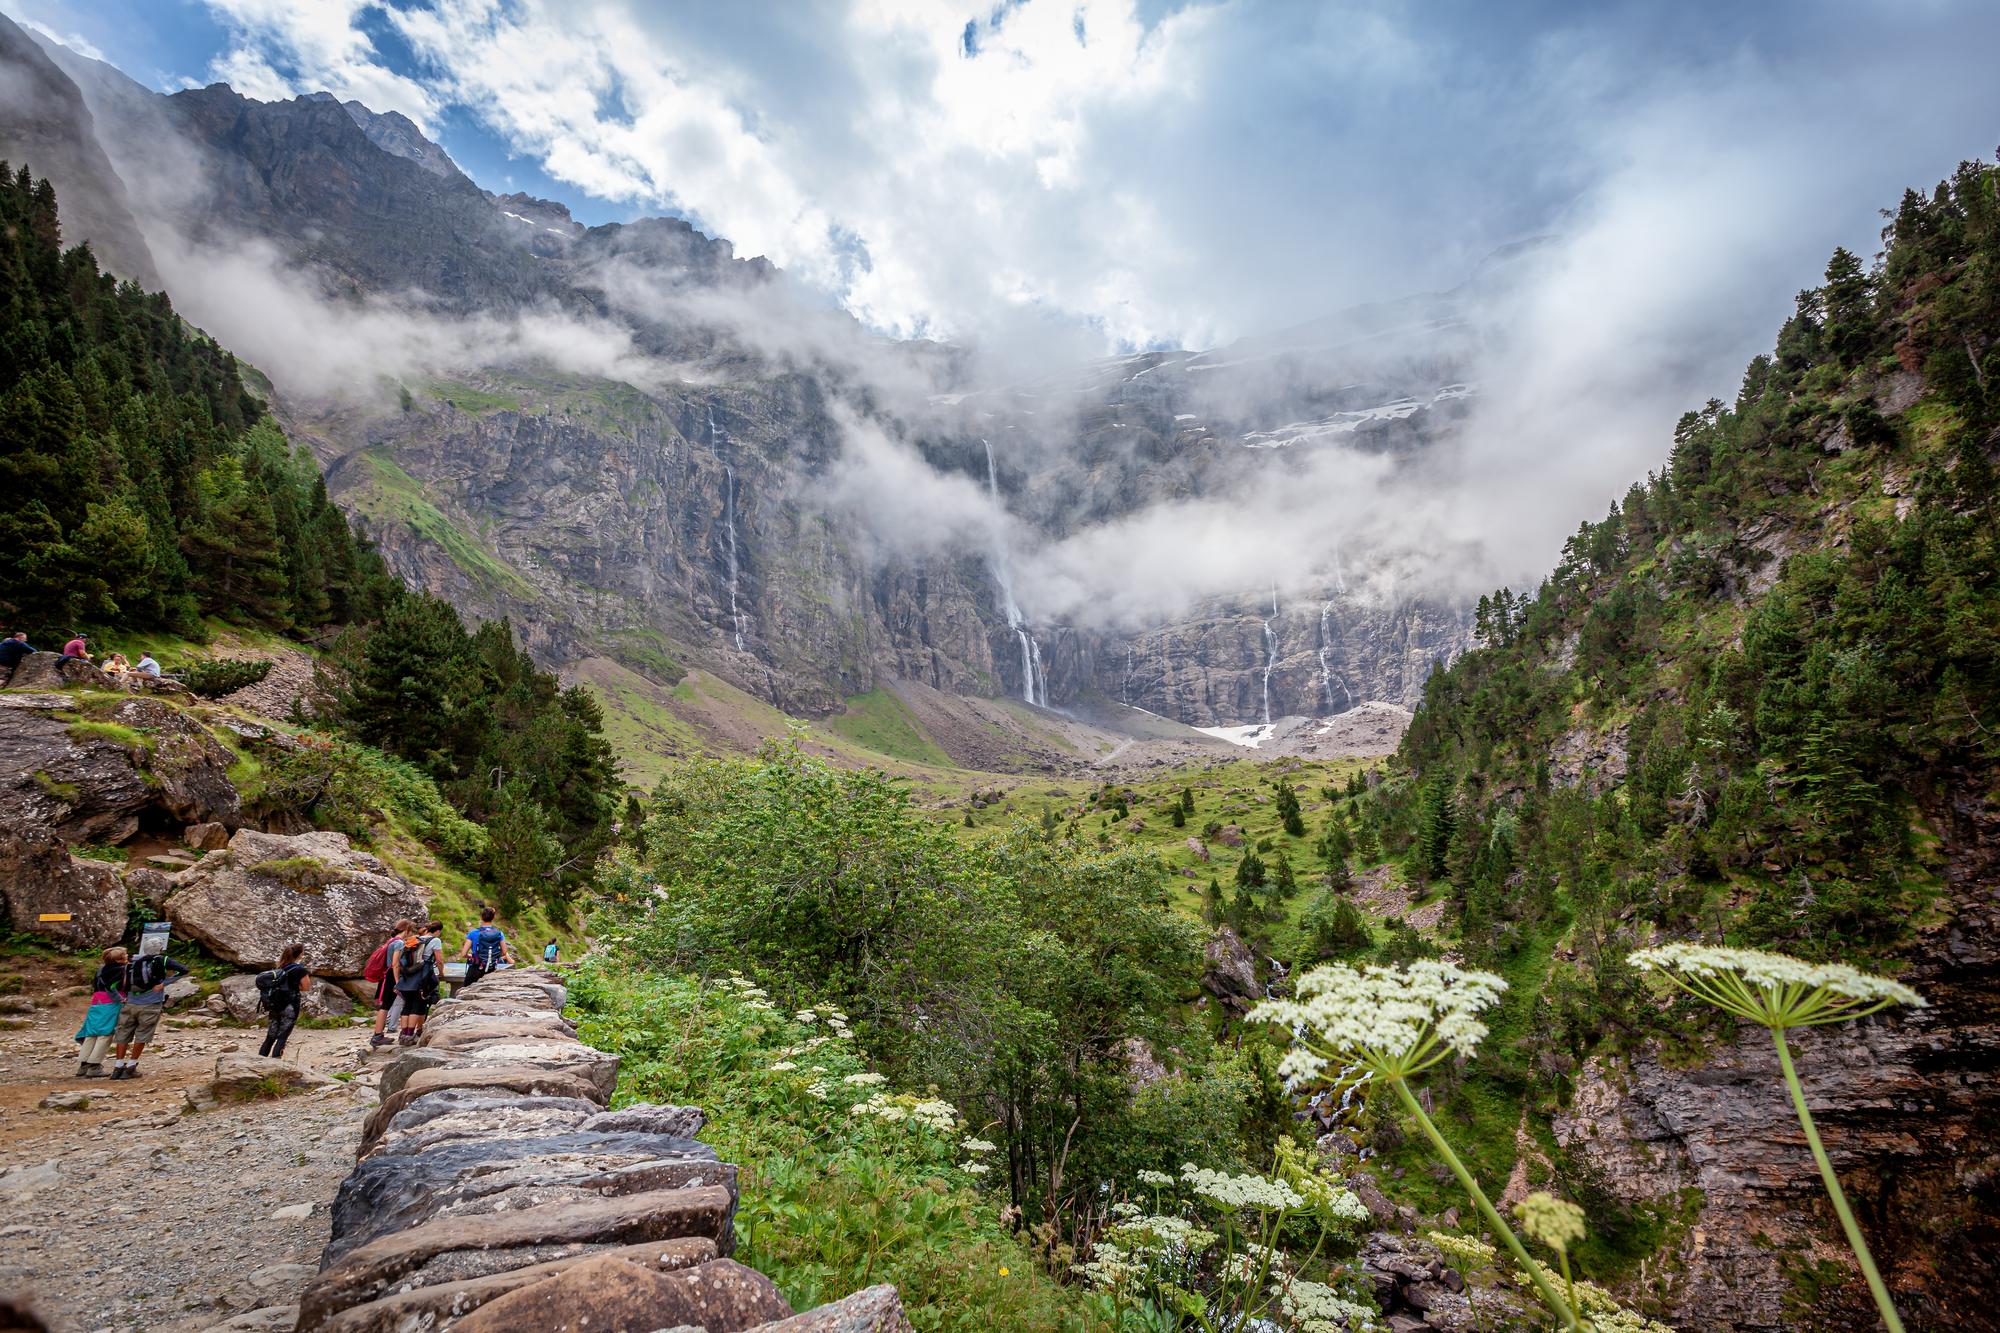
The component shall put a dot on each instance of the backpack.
(418, 978)
(378, 964)
(486, 946)
(143, 973)
(549, 954)
(272, 992)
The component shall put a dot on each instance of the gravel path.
(132, 1214)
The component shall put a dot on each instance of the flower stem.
(1485, 1206)
(1839, 1196)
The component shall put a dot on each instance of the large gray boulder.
(267, 890)
(77, 903)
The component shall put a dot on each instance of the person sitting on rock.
(380, 970)
(485, 949)
(414, 966)
(13, 648)
(285, 996)
(78, 647)
(146, 666)
(100, 1021)
(116, 665)
(145, 999)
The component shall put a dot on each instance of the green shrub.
(214, 677)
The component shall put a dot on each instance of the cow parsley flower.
(1241, 1191)
(1774, 990)
(1552, 1221)
(783, 1067)
(865, 1080)
(1156, 1179)
(806, 1016)
(978, 1145)
(1175, 1237)
(817, 1089)
(1392, 1021)
(1315, 1307)
(1109, 1266)
(1779, 992)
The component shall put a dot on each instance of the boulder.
(470, 1176)
(870, 1310)
(320, 1000)
(182, 989)
(250, 1077)
(610, 1293)
(206, 837)
(681, 1122)
(1198, 847)
(40, 879)
(436, 1305)
(1231, 836)
(268, 890)
(53, 671)
(1231, 971)
(499, 1242)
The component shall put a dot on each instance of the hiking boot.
(93, 1071)
(83, 1069)
(132, 1071)
(406, 1039)
(120, 1071)
(378, 1040)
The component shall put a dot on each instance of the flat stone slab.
(510, 1240)
(870, 1310)
(609, 1293)
(536, 1082)
(386, 1194)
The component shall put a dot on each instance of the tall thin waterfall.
(1034, 684)
(729, 524)
(1326, 681)
(1270, 653)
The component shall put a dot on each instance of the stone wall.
(494, 1191)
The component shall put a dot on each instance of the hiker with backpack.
(388, 1000)
(145, 988)
(101, 1019)
(486, 948)
(281, 991)
(414, 962)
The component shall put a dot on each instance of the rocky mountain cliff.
(617, 520)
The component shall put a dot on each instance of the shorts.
(136, 1024)
(415, 1003)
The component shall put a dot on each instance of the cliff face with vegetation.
(1759, 703)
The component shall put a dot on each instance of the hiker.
(388, 1000)
(551, 953)
(145, 998)
(116, 665)
(282, 991)
(146, 666)
(13, 648)
(78, 647)
(485, 948)
(107, 995)
(414, 965)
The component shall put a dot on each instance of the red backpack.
(378, 963)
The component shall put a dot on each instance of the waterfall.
(1034, 685)
(729, 525)
(1270, 654)
(1326, 676)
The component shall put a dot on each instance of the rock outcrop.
(267, 890)
(245, 1078)
(496, 1192)
(78, 774)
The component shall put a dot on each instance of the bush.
(214, 677)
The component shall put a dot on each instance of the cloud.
(74, 41)
(282, 48)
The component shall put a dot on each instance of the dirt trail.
(133, 1214)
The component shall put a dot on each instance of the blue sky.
(1148, 171)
